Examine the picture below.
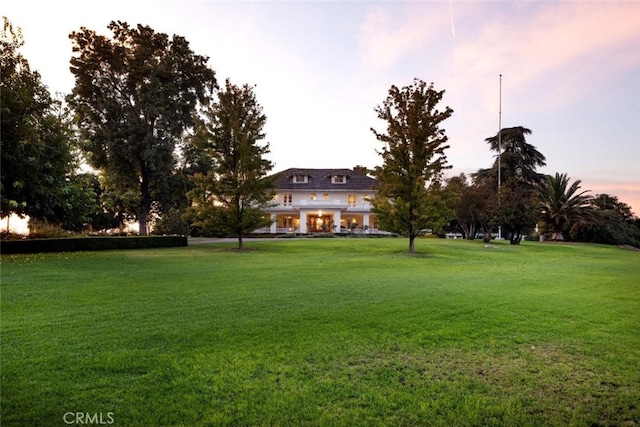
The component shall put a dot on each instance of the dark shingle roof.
(320, 179)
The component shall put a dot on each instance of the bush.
(171, 223)
(44, 230)
(90, 244)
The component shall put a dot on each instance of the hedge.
(30, 246)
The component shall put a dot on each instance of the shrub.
(90, 244)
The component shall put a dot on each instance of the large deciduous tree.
(231, 197)
(37, 144)
(134, 96)
(409, 198)
(472, 204)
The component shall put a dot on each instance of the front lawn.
(324, 332)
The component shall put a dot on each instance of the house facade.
(323, 201)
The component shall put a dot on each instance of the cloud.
(556, 49)
(390, 31)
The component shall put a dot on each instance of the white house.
(323, 200)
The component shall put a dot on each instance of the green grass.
(324, 332)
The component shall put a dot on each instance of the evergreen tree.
(517, 161)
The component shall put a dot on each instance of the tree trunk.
(412, 248)
(486, 231)
(145, 203)
(516, 236)
(240, 242)
(471, 232)
(467, 230)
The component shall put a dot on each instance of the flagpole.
(499, 150)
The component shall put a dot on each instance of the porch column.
(365, 221)
(336, 220)
(274, 224)
(303, 221)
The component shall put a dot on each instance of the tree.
(192, 159)
(517, 162)
(517, 210)
(561, 205)
(410, 198)
(617, 225)
(517, 156)
(472, 205)
(134, 96)
(37, 143)
(232, 196)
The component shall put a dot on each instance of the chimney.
(360, 170)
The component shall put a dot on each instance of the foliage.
(80, 203)
(232, 196)
(73, 244)
(518, 158)
(617, 225)
(472, 204)
(562, 206)
(358, 333)
(516, 164)
(134, 96)
(517, 211)
(192, 159)
(410, 198)
(37, 144)
(172, 223)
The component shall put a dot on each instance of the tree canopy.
(134, 96)
(517, 156)
(409, 198)
(517, 162)
(561, 205)
(472, 204)
(617, 225)
(231, 197)
(37, 143)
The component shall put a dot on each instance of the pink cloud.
(558, 48)
(390, 32)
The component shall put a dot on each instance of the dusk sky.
(571, 72)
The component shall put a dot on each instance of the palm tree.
(561, 204)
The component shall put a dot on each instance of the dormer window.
(338, 179)
(300, 179)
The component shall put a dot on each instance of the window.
(351, 199)
(325, 196)
(287, 199)
(300, 179)
(339, 179)
(287, 222)
(313, 196)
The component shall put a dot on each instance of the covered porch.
(322, 221)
